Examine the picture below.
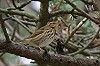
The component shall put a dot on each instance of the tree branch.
(87, 44)
(15, 12)
(44, 14)
(4, 29)
(50, 59)
(83, 12)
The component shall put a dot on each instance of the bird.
(43, 36)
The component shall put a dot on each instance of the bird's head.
(54, 24)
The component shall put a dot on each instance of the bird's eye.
(53, 23)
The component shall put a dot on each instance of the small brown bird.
(44, 36)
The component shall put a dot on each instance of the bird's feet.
(44, 51)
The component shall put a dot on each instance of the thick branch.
(50, 59)
(44, 14)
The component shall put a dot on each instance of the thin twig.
(4, 62)
(24, 4)
(65, 12)
(9, 3)
(2, 54)
(79, 42)
(25, 22)
(94, 46)
(69, 29)
(83, 12)
(16, 12)
(6, 18)
(13, 1)
(28, 23)
(75, 29)
(32, 20)
(77, 52)
(11, 29)
(14, 31)
(4, 29)
(82, 39)
(88, 2)
(19, 22)
(19, 7)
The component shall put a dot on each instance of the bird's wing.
(36, 36)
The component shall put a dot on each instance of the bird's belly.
(46, 42)
(43, 43)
